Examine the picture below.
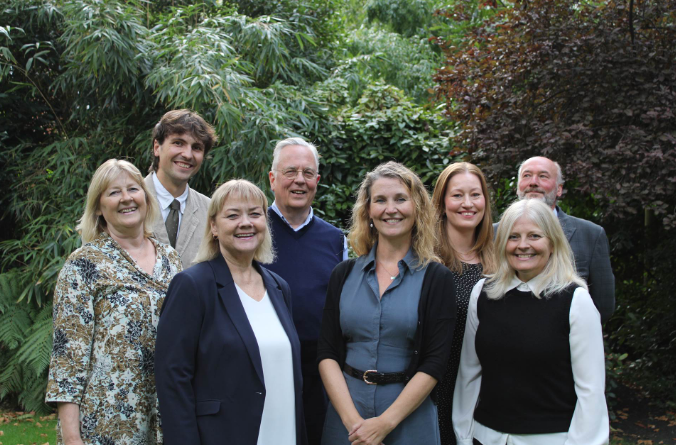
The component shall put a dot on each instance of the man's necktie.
(172, 222)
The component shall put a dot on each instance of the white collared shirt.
(165, 199)
(310, 215)
(590, 423)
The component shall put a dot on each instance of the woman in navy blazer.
(227, 359)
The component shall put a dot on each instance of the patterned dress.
(471, 274)
(106, 310)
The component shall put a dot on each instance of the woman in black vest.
(532, 353)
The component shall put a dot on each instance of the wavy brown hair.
(363, 237)
(483, 233)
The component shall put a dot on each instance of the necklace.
(392, 277)
(466, 256)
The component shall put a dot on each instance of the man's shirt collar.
(165, 198)
(310, 215)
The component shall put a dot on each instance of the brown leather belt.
(373, 377)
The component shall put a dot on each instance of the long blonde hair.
(362, 237)
(559, 272)
(483, 233)
(238, 189)
(90, 224)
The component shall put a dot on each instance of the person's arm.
(331, 349)
(437, 321)
(178, 333)
(590, 424)
(69, 417)
(601, 280)
(74, 321)
(468, 383)
(339, 394)
(374, 430)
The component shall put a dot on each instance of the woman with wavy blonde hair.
(388, 318)
(465, 232)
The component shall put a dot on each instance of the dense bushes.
(83, 81)
(592, 85)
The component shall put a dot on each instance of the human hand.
(369, 432)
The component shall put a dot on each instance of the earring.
(371, 225)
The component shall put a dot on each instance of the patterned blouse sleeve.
(73, 330)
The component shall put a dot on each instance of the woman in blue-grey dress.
(388, 320)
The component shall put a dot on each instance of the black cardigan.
(436, 321)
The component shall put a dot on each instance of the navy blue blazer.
(208, 367)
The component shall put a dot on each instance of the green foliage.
(83, 81)
(405, 17)
(26, 339)
(405, 62)
(382, 126)
(645, 321)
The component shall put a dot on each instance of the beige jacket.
(193, 224)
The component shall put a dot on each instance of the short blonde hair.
(238, 189)
(559, 272)
(91, 224)
(483, 233)
(362, 237)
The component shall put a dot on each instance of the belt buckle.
(366, 377)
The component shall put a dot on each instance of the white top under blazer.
(278, 424)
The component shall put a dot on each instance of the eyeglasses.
(292, 173)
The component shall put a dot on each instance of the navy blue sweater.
(305, 260)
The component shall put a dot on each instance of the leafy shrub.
(592, 85)
(382, 126)
(83, 81)
(408, 63)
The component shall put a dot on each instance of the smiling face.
(538, 179)
(240, 227)
(181, 157)
(391, 209)
(464, 202)
(527, 249)
(123, 205)
(294, 195)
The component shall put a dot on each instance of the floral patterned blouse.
(106, 310)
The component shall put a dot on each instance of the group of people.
(187, 320)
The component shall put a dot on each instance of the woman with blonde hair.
(388, 318)
(532, 368)
(465, 232)
(228, 356)
(106, 307)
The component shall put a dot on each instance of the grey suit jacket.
(193, 224)
(592, 259)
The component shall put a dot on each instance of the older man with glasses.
(308, 248)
